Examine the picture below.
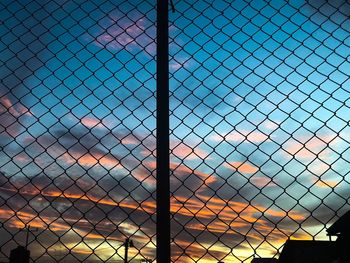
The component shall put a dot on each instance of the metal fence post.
(163, 168)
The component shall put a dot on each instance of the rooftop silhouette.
(341, 226)
(316, 251)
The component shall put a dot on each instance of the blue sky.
(259, 126)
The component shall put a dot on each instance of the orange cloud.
(223, 216)
(291, 214)
(181, 170)
(178, 150)
(215, 207)
(146, 206)
(91, 160)
(242, 167)
(201, 206)
(19, 218)
(81, 230)
(108, 161)
(236, 219)
(326, 183)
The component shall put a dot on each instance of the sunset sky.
(259, 114)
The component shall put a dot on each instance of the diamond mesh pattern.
(77, 123)
(259, 111)
(259, 125)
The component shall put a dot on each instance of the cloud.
(181, 173)
(68, 204)
(92, 122)
(131, 139)
(242, 167)
(204, 215)
(137, 34)
(242, 136)
(262, 181)
(186, 152)
(10, 113)
(16, 109)
(326, 183)
(128, 191)
(184, 172)
(26, 54)
(193, 206)
(108, 161)
(179, 62)
(308, 148)
(216, 220)
(73, 231)
(198, 212)
(271, 125)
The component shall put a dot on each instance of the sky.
(259, 101)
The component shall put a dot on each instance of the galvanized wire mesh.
(259, 115)
(77, 122)
(259, 127)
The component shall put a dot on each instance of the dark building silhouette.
(341, 229)
(264, 260)
(19, 255)
(308, 251)
(302, 251)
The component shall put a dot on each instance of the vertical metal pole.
(126, 248)
(27, 236)
(163, 159)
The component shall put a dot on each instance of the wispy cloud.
(92, 122)
(309, 148)
(125, 34)
(262, 181)
(242, 136)
(186, 152)
(16, 109)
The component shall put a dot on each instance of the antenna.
(28, 229)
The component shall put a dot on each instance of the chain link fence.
(77, 123)
(259, 113)
(259, 125)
